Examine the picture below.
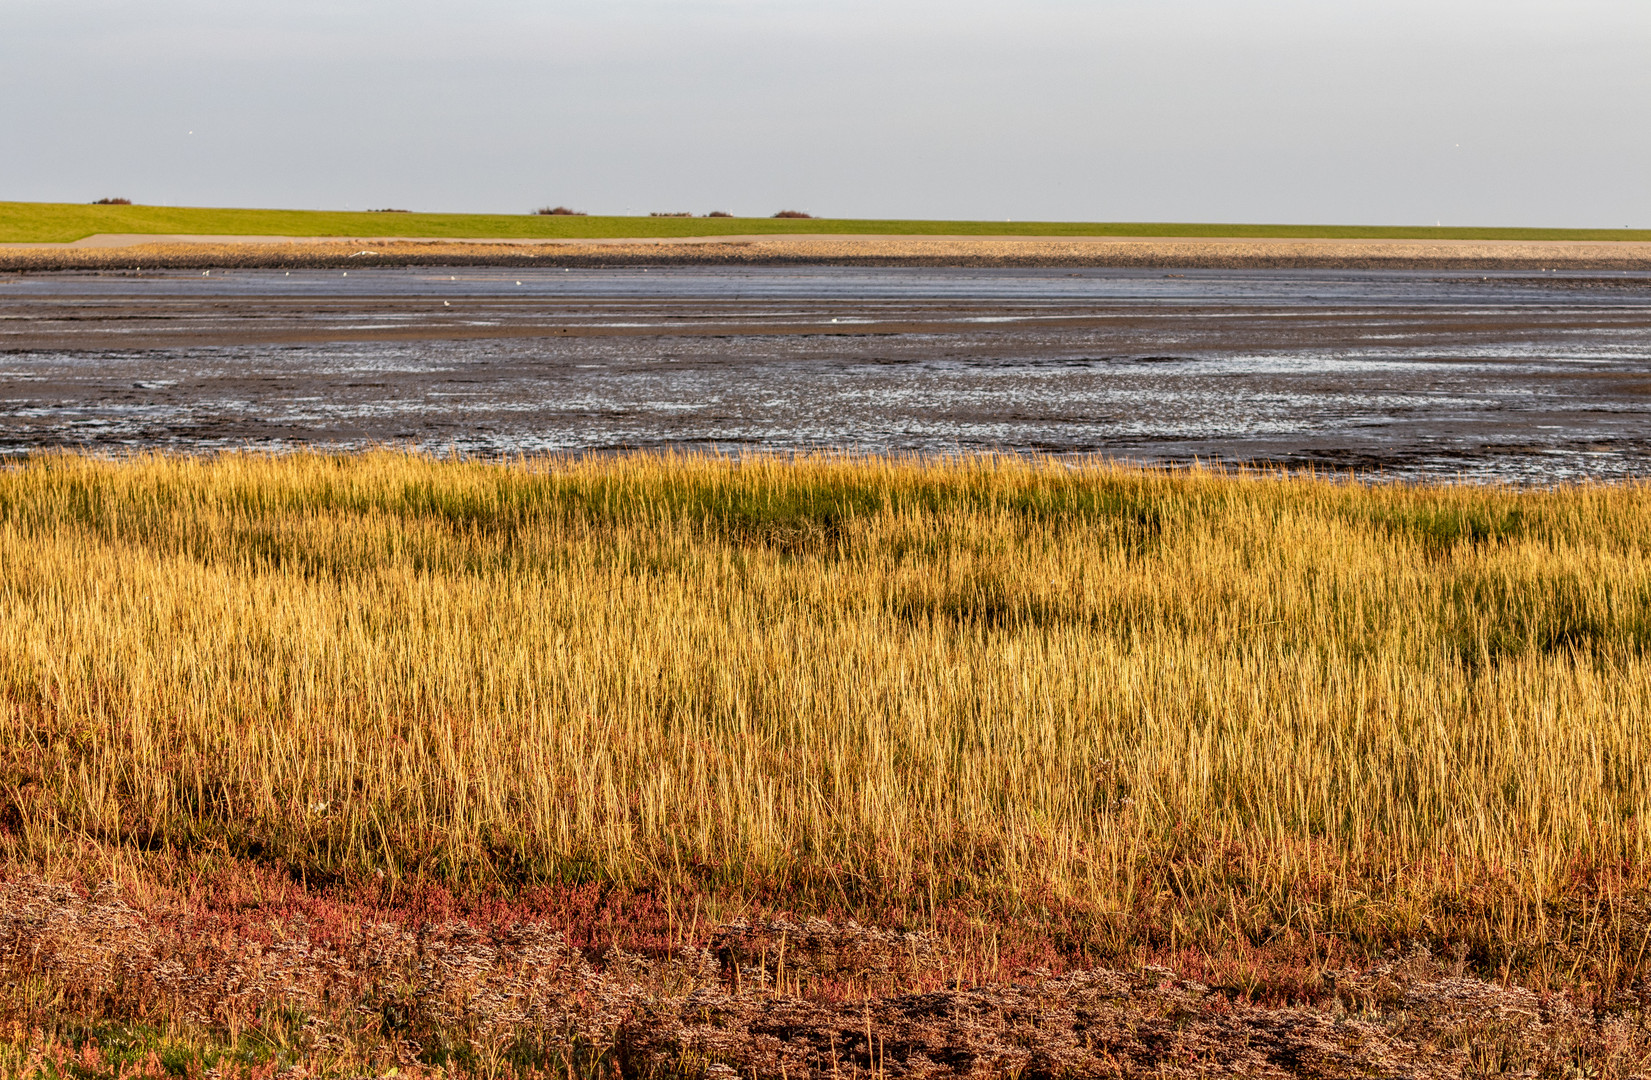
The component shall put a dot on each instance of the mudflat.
(1527, 376)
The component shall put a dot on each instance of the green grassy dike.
(23, 222)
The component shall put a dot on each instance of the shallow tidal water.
(1520, 376)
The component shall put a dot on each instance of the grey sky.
(1533, 112)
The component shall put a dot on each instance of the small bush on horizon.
(793, 214)
(719, 213)
(559, 211)
(389, 210)
(113, 201)
(670, 213)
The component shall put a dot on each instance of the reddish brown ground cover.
(246, 973)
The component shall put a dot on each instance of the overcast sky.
(1466, 112)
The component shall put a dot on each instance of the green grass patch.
(65, 222)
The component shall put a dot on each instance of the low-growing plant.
(793, 214)
(559, 211)
(113, 201)
(96, 985)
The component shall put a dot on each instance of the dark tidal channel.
(1527, 377)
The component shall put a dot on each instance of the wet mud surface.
(1524, 376)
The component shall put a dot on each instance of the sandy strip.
(125, 252)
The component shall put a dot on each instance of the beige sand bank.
(125, 251)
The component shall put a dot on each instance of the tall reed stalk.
(1186, 703)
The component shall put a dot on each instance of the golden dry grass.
(1186, 713)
